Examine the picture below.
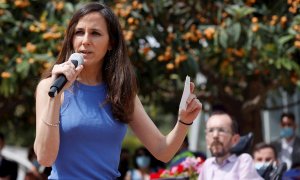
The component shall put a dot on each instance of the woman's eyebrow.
(92, 29)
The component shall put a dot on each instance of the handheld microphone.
(76, 59)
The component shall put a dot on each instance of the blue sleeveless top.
(90, 138)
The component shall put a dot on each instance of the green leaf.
(239, 11)
(7, 17)
(146, 8)
(23, 69)
(6, 87)
(236, 31)
(223, 38)
(258, 42)
(3, 6)
(287, 64)
(69, 7)
(246, 11)
(282, 40)
(43, 57)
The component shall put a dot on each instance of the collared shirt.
(234, 167)
(286, 152)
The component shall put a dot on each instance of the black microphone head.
(77, 59)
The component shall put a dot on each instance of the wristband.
(188, 124)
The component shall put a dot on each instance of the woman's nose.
(86, 39)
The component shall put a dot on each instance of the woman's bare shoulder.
(44, 84)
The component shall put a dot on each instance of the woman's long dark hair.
(117, 70)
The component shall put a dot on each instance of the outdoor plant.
(190, 168)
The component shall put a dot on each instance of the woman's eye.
(96, 33)
(79, 32)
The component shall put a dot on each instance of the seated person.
(8, 168)
(265, 158)
(288, 145)
(142, 165)
(221, 136)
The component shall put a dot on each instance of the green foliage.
(234, 43)
(131, 143)
(31, 33)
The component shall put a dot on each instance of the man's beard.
(220, 153)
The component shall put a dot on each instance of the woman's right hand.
(68, 69)
(47, 138)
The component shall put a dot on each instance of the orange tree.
(243, 48)
(31, 32)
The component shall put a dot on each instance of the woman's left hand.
(193, 107)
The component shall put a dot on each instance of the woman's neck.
(89, 77)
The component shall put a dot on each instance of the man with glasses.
(221, 136)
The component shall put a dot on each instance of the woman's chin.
(85, 56)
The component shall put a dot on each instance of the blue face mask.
(287, 132)
(263, 167)
(260, 165)
(36, 163)
(143, 161)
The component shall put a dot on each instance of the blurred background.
(242, 55)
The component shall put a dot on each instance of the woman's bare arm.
(161, 146)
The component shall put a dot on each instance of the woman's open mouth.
(85, 52)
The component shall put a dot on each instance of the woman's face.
(91, 38)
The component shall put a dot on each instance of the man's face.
(288, 128)
(264, 155)
(287, 122)
(219, 135)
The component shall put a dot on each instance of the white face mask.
(263, 165)
(260, 165)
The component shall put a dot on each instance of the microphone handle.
(60, 82)
(57, 85)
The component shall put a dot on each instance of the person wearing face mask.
(142, 165)
(288, 145)
(265, 158)
(221, 135)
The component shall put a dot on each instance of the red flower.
(154, 175)
(157, 174)
(180, 168)
(190, 167)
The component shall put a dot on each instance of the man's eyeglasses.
(219, 130)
